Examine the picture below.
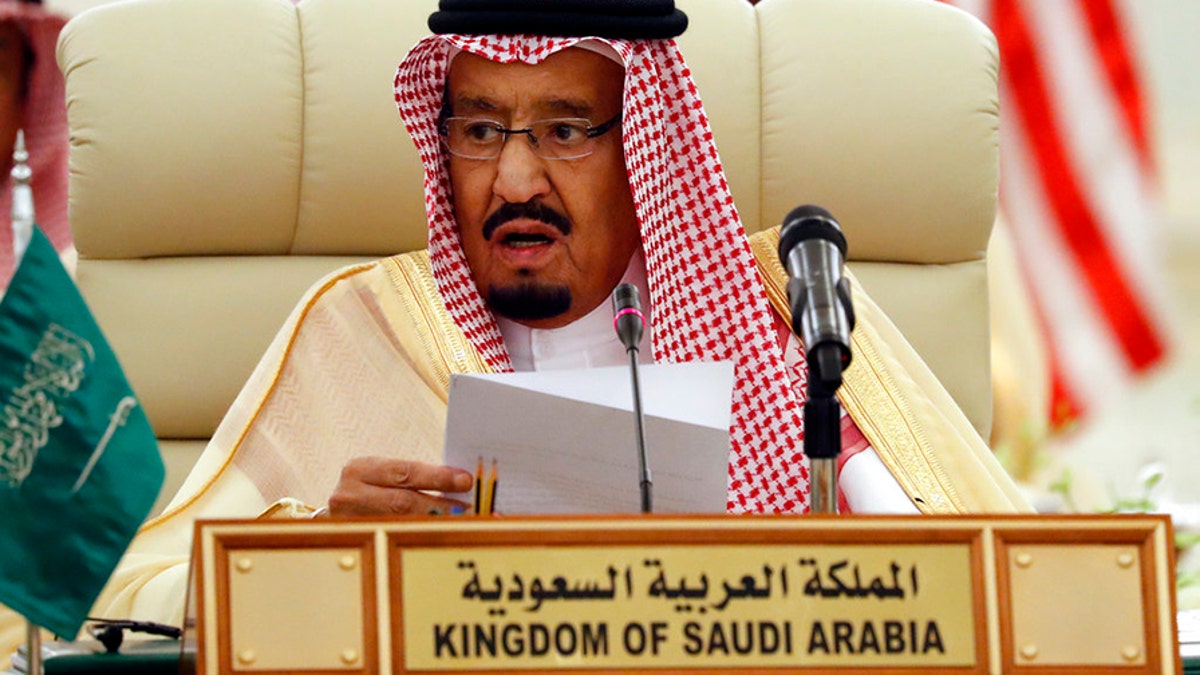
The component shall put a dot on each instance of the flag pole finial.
(20, 172)
(22, 198)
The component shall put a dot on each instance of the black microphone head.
(628, 320)
(626, 296)
(809, 222)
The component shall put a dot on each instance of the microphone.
(629, 324)
(813, 250)
(628, 320)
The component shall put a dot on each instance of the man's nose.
(520, 174)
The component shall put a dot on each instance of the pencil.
(483, 495)
(493, 481)
(485, 503)
(479, 485)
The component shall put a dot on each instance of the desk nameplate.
(692, 594)
(719, 606)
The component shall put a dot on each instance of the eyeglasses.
(479, 138)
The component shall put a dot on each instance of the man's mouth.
(526, 245)
(525, 239)
(525, 236)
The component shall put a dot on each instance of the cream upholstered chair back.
(225, 154)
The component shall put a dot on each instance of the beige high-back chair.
(225, 154)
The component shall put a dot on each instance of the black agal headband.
(616, 19)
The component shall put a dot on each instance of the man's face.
(546, 239)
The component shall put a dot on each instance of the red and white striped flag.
(1078, 189)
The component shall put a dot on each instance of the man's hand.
(372, 486)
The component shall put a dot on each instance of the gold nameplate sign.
(696, 594)
(679, 606)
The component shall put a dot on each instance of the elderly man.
(556, 167)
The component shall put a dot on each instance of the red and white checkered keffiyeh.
(45, 125)
(708, 300)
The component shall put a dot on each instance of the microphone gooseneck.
(630, 324)
(813, 250)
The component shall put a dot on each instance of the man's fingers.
(384, 486)
(373, 500)
(397, 473)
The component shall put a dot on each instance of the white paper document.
(565, 440)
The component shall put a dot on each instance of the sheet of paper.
(565, 440)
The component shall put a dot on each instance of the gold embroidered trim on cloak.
(268, 391)
(872, 398)
(443, 341)
(908, 452)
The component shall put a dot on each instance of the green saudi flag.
(79, 464)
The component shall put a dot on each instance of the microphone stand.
(813, 249)
(823, 425)
(640, 429)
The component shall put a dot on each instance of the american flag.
(1078, 190)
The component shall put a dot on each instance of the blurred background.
(1156, 423)
(1143, 451)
